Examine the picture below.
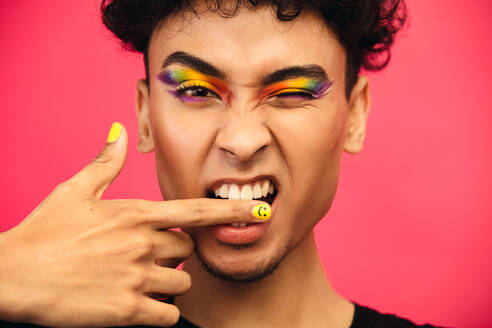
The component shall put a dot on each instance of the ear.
(359, 106)
(145, 139)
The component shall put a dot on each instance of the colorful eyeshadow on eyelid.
(177, 76)
(174, 77)
(197, 84)
(292, 93)
(316, 87)
(189, 85)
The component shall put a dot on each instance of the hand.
(79, 261)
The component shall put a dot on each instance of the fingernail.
(262, 211)
(114, 133)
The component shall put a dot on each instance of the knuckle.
(186, 238)
(236, 211)
(136, 280)
(187, 244)
(116, 217)
(68, 187)
(102, 158)
(122, 211)
(183, 242)
(187, 281)
(172, 316)
(198, 211)
(129, 310)
(142, 243)
(183, 281)
(107, 208)
(66, 191)
(168, 317)
(130, 212)
(138, 209)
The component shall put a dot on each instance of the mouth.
(262, 189)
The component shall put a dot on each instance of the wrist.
(12, 305)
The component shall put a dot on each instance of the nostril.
(229, 153)
(261, 148)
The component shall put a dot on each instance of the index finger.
(184, 213)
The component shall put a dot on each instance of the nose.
(242, 137)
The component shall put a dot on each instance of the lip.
(241, 181)
(239, 236)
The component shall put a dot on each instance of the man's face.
(237, 116)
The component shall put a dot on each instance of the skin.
(299, 142)
(103, 258)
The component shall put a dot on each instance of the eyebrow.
(183, 58)
(309, 71)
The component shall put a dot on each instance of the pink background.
(408, 232)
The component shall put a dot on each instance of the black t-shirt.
(364, 317)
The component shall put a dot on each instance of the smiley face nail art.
(262, 211)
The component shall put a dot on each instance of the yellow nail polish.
(115, 132)
(262, 211)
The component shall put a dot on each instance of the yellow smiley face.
(262, 211)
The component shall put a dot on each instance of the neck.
(296, 294)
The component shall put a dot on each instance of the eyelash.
(180, 91)
(301, 93)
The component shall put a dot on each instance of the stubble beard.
(261, 271)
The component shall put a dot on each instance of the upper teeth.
(248, 191)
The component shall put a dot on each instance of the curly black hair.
(365, 28)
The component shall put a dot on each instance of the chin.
(240, 263)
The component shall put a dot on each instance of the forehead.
(249, 43)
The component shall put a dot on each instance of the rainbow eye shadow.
(315, 88)
(189, 79)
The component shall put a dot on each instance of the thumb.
(103, 170)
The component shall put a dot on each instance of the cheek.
(312, 143)
(182, 138)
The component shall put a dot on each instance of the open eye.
(196, 92)
(193, 91)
